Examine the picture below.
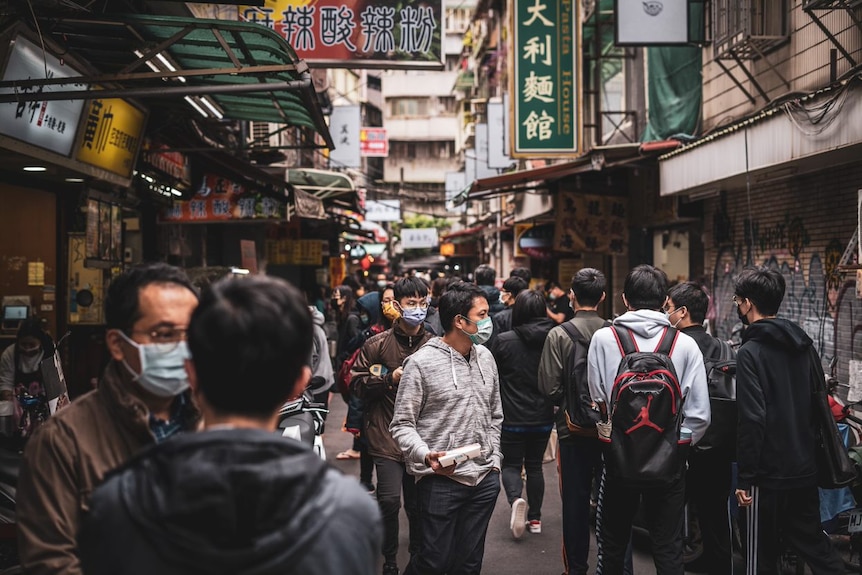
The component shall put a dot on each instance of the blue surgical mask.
(413, 316)
(486, 328)
(163, 367)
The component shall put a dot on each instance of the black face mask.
(742, 317)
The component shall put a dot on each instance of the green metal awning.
(332, 188)
(246, 70)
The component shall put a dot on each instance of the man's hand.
(432, 460)
(743, 498)
(396, 375)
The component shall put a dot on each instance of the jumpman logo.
(642, 420)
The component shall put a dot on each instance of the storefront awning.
(223, 68)
(333, 188)
(597, 159)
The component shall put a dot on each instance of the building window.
(408, 107)
(448, 105)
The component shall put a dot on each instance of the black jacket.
(493, 295)
(775, 443)
(518, 353)
(709, 346)
(232, 501)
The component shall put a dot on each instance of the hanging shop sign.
(357, 33)
(295, 252)
(344, 125)
(590, 223)
(175, 165)
(373, 143)
(111, 135)
(49, 125)
(418, 238)
(545, 83)
(104, 237)
(221, 200)
(383, 210)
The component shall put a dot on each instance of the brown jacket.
(389, 349)
(66, 459)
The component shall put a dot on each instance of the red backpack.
(342, 378)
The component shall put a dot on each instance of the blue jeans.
(454, 520)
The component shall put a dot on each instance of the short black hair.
(438, 286)
(529, 304)
(523, 273)
(646, 287)
(249, 339)
(458, 300)
(410, 286)
(122, 303)
(692, 297)
(515, 285)
(588, 285)
(485, 275)
(762, 285)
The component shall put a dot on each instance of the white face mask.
(163, 367)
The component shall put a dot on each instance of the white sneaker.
(518, 521)
(535, 526)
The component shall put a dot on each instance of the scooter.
(302, 419)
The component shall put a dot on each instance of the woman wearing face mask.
(22, 392)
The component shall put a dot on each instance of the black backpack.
(579, 409)
(721, 382)
(645, 414)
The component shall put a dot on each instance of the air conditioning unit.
(263, 135)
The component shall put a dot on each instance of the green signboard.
(545, 83)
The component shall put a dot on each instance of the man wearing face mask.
(142, 399)
(710, 463)
(449, 397)
(375, 378)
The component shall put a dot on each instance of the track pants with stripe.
(791, 517)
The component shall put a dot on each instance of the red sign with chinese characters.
(220, 200)
(373, 143)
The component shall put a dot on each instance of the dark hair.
(406, 287)
(763, 286)
(645, 287)
(351, 282)
(122, 303)
(458, 300)
(249, 339)
(515, 285)
(523, 273)
(588, 285)
(551, 284)
(438, 286)
(485, 275)
(33, 327)
(691, 296)
(529, 304)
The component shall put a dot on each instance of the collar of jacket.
(130, 410)
(410, 341)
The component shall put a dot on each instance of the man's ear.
(601, 299)
(114, 341)
(625, 302)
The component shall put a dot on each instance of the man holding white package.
(449, 398)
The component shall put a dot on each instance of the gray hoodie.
(445, 401)
(604, 360)
(319, 362)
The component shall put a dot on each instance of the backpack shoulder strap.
(668, 341)
(571, 330)
(625, 340)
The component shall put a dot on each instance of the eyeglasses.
(737, 300)
(414, 304)
(165, 336)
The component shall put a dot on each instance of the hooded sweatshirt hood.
(778, 332)
(228, 501)
(644, 322)
(317, 316)
(370, 304)
(535, 332)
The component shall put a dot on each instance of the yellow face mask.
(391, 312)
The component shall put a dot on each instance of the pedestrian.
(776, 442)
(579, 455)
(375, 378)
(448, 398)
(523, 273)
(22, 386)
(485, 277)
(235, 497)
(503, 320)
(645, 295)
(559, 309)
(709, 474)
(141, 399)
(528, 414)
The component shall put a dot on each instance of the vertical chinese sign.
(545, 80)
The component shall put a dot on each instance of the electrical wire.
(41, 38)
